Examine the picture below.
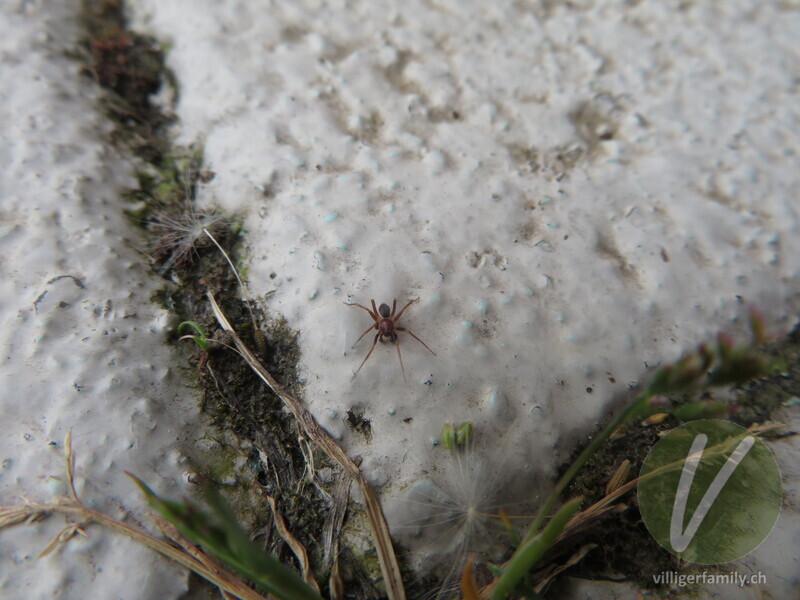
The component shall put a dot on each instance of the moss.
(361, 566)
(758, 400)
(254, 448)
(130, 67)
(166, 187)
(218, 460)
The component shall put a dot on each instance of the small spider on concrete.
(386, 325)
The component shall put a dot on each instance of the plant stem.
(639, 406)
(221, 579)
(532, 550)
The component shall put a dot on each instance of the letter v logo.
(709, 491)
(678, 538)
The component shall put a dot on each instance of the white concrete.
(83, 347)
(575, 193)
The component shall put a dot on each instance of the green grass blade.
(531, 551)
(199, 339)
(638, 408)
(221, 535)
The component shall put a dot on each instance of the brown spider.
(386, 324)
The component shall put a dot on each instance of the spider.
(386, 324)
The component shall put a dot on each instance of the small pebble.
(319, 260)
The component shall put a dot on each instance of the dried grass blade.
(573, 560)
(383, 543)
(69, 459)
(759, 428)
(225, 581)
(171, 532)
(469, 590)
(305, 418)
(583, 519)
(619, 477)
(63, 537)
(297, 548)
(335, 583)
(11, 515)
(335, 518)
(210, 562)
(190, 557)
(72, 507)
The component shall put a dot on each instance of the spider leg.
(400, 356)
(374, 315)
(375, 341)
(410, 302)
(411, 333)
(394, 308)
(370, 328)
(377, 314)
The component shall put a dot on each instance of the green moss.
(361, 565)
(254, 448)
(218, 461)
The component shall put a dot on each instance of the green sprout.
(463, 434)
(447, 437)
(453, 437)
(200, 339)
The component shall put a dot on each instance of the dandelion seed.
(456, 514)
(180, 235)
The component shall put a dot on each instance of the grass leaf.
(200, 339)
(221, 535)
(532, 550)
